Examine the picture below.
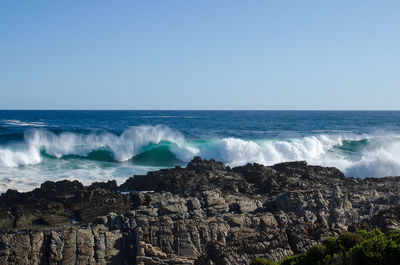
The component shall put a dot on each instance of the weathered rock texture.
(206, 213)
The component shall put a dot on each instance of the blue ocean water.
(36, 146)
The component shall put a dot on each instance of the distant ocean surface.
(89, 146)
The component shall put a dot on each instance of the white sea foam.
(24, 123)
(380, 157)
(19, 156)
(238, 151)
(377, 157)
(86, 171)
(123, 147)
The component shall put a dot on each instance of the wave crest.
(355, 155)
(123, 147)
(238, 151)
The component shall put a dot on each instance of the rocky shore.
(206, 213)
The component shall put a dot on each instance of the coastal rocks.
(387, 220)
(198, 176)
(57, 203)
(94, 244)
(206, 213)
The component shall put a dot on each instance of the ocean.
(90, 146)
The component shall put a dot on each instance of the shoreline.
(205, 212)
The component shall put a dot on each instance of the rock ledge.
(206, 213)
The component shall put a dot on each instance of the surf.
(357, 155)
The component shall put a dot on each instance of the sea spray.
(123, 147)
(374, 155)
(36, 146)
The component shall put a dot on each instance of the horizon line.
(33, 109)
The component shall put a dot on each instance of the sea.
(90, 146)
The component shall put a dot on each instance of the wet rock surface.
(206, 213)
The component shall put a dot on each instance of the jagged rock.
(199, 175)
(206, 213)
(57, 203)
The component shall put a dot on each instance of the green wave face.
(101, 155)
(157, 155)
(356, 155)
(351, 149)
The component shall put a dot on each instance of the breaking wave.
(120, 147)
(356, 155)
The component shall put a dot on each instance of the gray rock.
(204, 214)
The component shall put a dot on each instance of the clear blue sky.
(223, 54)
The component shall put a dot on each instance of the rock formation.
(206, 213)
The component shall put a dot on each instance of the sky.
(208, 54)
